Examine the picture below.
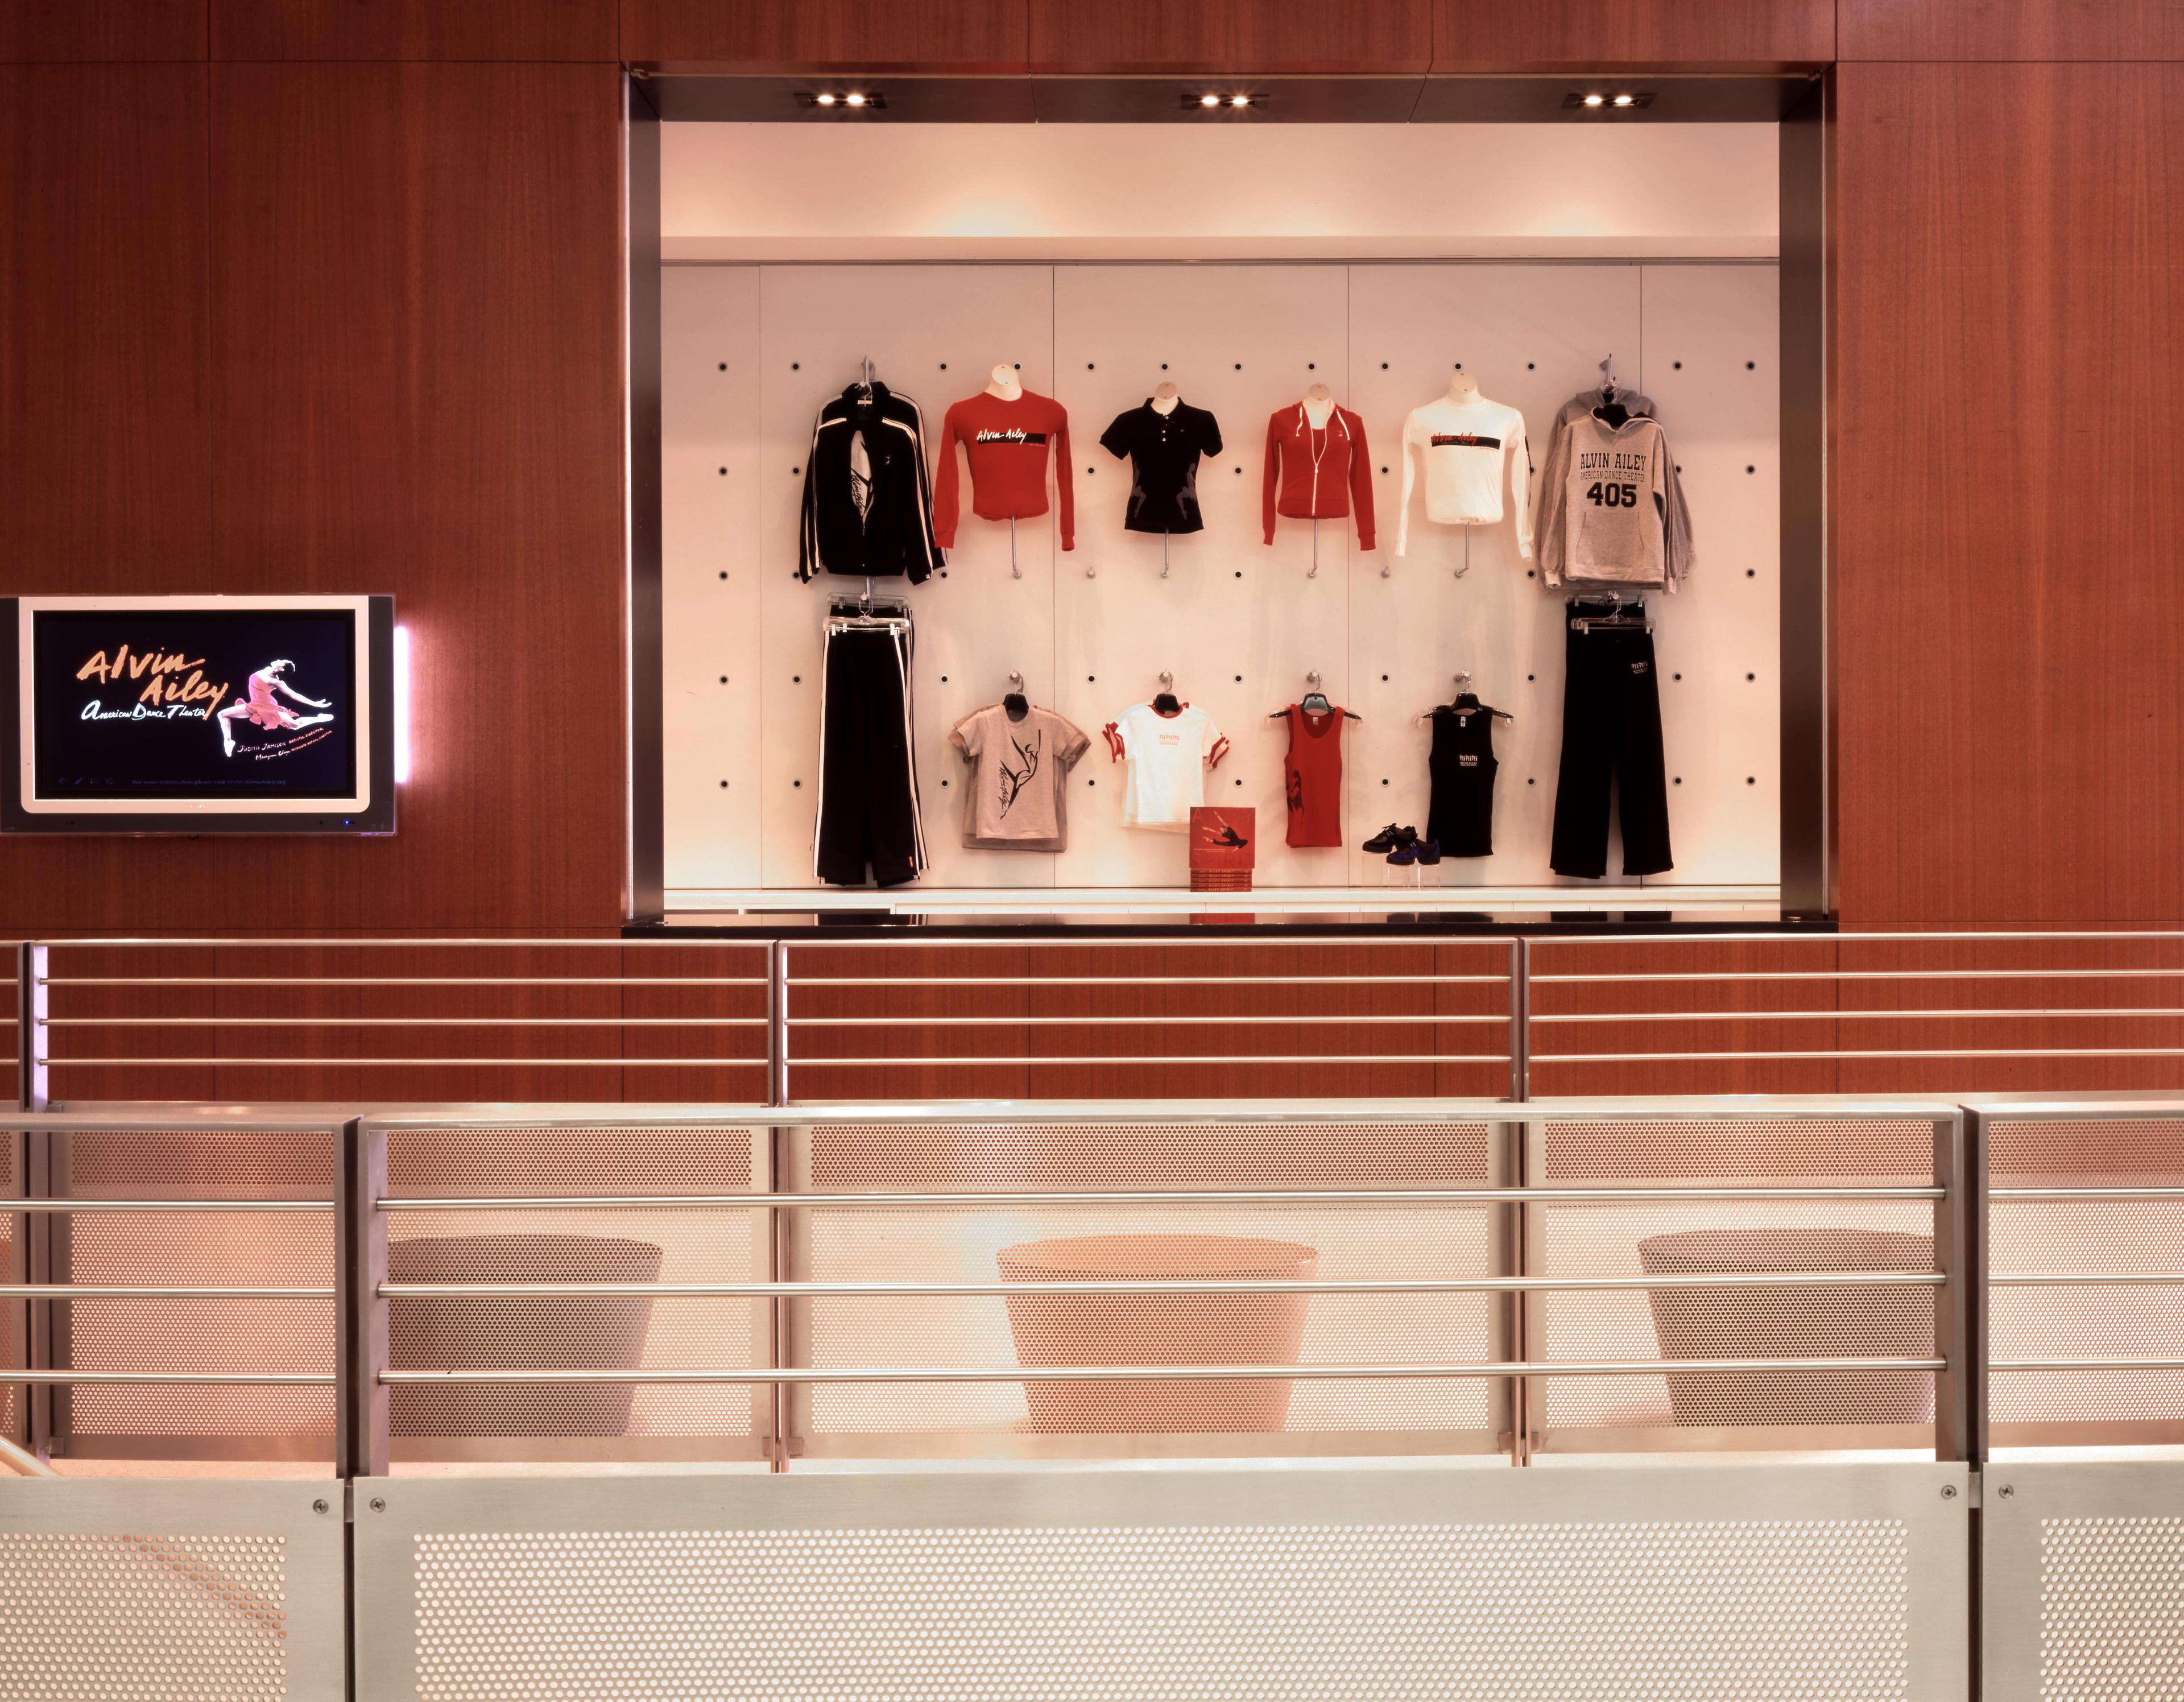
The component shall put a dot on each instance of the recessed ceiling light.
(825, 99)
(1239, 100)
(1595, 100)
(853, 100)
(1622, 100)
(1209, 100)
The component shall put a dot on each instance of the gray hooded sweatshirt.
(1611, 510)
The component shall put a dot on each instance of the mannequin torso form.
(1164, 398)
(1006, 384)
(1318, 406)
(1462, 388)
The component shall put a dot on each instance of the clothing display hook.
(1015, 572)
(1314, 573)
(1167, 680)
(1163, 553)
(1607, 384)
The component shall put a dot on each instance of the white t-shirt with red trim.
(1168, 756)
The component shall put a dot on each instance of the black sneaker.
(1429, 851)
(1391, 838)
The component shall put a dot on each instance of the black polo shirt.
(1163, 451)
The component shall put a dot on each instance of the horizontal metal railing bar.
(1156, 1057)
(1848, 938)
(449, 1022)
(1163, 1374)
(288, 981)
(302, 1061)
(2086, 1364)
(78, 1204)
(1864, 975)
(2122, 1193)
(314, 1380)
(1187, 942)
(598, 943)
(1324, 1019)
(1128, 1114)
(130, 1291)
(798, 981)
(2083, 1279)
(1401, 1285)
(1300, 1196)
(1839, 1055)
(1802, 1016)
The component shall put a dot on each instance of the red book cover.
(1222, 839)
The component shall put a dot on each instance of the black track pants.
(867, 773)
(1611, 732)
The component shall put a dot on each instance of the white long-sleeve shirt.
(1465, 447)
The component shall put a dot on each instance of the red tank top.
(1314, 775)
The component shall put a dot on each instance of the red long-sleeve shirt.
(1321, 475)
(1007, 443)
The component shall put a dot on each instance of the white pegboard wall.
(751, 353)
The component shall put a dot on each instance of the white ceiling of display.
(1178, 191)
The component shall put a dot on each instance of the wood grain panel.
(416, 391)
(2045, 980)
(1609, 35)
(105, 352)
(851, 35)
(415, 30)
(2009, 646)
(2032, 29)
(47, 32)
(1151, 35)
(1607, 1056)
(1143, 1026)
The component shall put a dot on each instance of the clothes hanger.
(1630, 617)
(1610, 410)
(1467, 700)
(1315, 702)
(1164, 701)
(1016, 704)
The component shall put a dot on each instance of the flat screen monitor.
(197, 715)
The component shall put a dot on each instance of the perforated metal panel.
(673, 1246)
(2084, 1590)
(2143, 1320)
(1734, 1236)
(219, 1249)
(970, 1245)
(1644, 1586)
(159, 1592)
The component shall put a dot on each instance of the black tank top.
(1462, 766)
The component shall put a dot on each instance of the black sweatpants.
(867, 765)
(1611, 733)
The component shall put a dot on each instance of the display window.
(1081, 452)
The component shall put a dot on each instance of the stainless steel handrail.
(1163, 1373)
(79, 1204)
(1260, 1197)
(138, 1290)
(1041, 1287)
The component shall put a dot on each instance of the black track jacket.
(868, 498)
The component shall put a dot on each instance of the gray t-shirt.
(1017, 800)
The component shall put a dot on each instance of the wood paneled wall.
(2009, 645)
(2011, 29)
(335, 327)
(1489, 36)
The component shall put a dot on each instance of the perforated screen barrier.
(170, 1592)
(2083, 1597)
(1838, 1584)
(252, 1212)
(2074, 1201)
(1029, 1244)
(591, 1243)
(1823, 1233)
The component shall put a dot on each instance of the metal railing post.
(33, 1075)
(777, 1022)
(1959, 1305)
(362, 1402)
(1520, 1020)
